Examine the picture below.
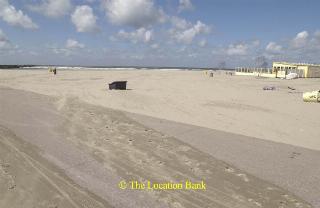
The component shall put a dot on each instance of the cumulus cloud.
(71, 47)
(305, 47)
(190, 32)
(237, 49)
(185, 5)
(273, 47)
(73, 44)
(12, 16)
(135, 13)
(139, 35)
(242, 48)
(180, 23)
(300, 40)
(52, 8)
(84, 19)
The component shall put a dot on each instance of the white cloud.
(244, 48)
(187, 35)
(300, 40)
(272, 47)
(73, 44)
(84, 19)
(303, 47)
(135, 13)
(15, 17)
(71, 47)
(185, 5)
(52, 8)
(180, 23)
(139, 35)
(237, 49)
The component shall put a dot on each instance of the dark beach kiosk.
(118, 85)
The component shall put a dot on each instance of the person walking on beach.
(55, 71)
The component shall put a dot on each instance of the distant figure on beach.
(55, 71)
(211, 73)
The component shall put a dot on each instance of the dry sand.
(28, 180)
(294, 168)
(229, 103)
(97, 147)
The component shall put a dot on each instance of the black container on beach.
(118, 85)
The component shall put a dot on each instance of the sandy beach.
(253, 148)
(233, 103)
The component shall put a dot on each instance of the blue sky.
(193, 33)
